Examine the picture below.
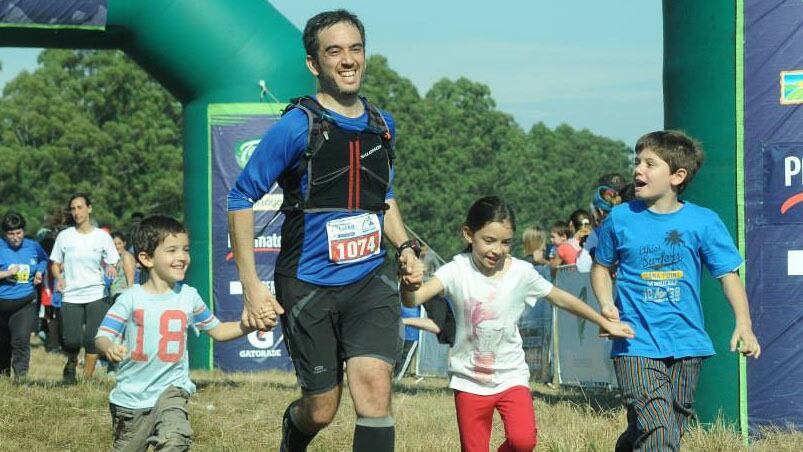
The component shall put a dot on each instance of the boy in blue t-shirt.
(657, 245)
(149, 403)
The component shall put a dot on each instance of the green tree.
(454, 146)
(89, 121)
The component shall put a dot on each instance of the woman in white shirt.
(488, 290)
(79, 256)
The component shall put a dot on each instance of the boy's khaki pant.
(166, 426)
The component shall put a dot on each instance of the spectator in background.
(565, 254)
(579, 228)
(125, 267)
(22, 266)
(78, 256)
(605, 198)
(534, 240)
(49, 300)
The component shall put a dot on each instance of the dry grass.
(238, 412)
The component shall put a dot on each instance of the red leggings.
(475, 417)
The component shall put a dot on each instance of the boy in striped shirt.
(146, 332)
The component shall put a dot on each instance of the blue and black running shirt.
(305, 245)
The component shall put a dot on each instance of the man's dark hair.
(152, 231)
(325, 20)
(12, 221)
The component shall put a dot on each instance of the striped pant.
(659, 395)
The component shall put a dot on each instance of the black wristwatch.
(413, 244)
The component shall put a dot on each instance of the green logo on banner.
(243, 151)
(791, 87)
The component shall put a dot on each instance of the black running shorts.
(326, 325)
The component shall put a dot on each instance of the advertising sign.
(235, 131)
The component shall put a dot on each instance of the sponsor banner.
(235, 131)
(54, 14)
(783, 184)
(585, 358)
(773, 182)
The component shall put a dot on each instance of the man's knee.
(318, 411)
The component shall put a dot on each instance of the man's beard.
(329, 84)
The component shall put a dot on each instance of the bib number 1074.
(354, 248)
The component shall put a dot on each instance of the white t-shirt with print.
(81, 255)
(487, 356)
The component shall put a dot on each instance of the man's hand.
(260, 308)
(111, 271)
(60, 285)
(411, 270)
(745, 341)
(116, 353)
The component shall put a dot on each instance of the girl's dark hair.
(79, 195)
(119, 235)
(577, 219)
(488, 210)
(12, 221)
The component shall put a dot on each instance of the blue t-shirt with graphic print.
(660, 259)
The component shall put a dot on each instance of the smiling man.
(333, 156)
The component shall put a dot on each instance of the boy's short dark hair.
(675, 148)
(560, 228)
(324, 20)
(152, 231)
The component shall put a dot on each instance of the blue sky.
(595, 65)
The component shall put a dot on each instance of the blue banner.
(235, 130)
(773, 171)
(55, 14)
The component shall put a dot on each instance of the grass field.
(242, 412)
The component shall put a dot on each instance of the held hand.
(37, 278)
(610, 312)
(618, 329)
(60, 285)
(745, 342)
(260, 308)
(111, 271)
(116, 353)
(411, 270)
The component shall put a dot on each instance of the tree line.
(87, 120)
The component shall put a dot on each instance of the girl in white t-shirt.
(489, 290)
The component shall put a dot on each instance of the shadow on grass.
(598, 400)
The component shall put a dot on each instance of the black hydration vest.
(346, 171)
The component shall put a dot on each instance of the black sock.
(374, 435)
(293, 438)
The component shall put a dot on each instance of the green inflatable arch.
(208, 52)
(217, 51)
(700, 91)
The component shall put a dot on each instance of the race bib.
(354, 239)
(23, 273)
